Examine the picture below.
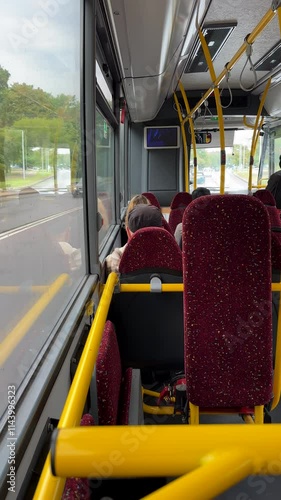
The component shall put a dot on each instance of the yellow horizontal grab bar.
(171, 287)
(142, 450)
(145, 287)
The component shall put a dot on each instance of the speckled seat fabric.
(167, 226)
(178, 205)
(77, 487)
(151, 248)
(227, 302)
(265, 196)
(274, 215)
(108, 377)
(113, 399)
(153, 199)
(149, 326)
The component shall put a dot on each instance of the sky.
(40, 44)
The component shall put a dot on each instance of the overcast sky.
(40, 43)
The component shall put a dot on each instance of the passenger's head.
(143, 216)
(201, 191)
(136, 200)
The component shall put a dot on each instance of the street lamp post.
(23, 154)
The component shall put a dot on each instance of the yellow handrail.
(145, 287)
(50, 487)
(250, 39)
(191, 126)
(228, 451)
(20, 330)
(219, 109)
(151, 458)
(185, 153)
(257, 128)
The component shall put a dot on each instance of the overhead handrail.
(270, 14)
(192, 132)
(200, 454)
(17, 334)
(48, 485)
(219, 109)
(185, 153)
(249, 51)
(229, 90)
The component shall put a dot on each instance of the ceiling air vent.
(215, 35)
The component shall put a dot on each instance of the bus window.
(105, 173)
(42, 228)
(237, 164)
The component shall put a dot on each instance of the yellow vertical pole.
(194, 414)
(257, 128)
(219, 109)
(185, 153)
(191, 126)
(259, 414)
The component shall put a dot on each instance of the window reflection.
(105, 173)
(42, 230)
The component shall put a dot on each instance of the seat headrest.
(265, 196)
(151, 248)
(181, 199)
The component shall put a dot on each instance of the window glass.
(105, 173)
(103, 85)
(277, 149)
(42, 231)
(237, 164)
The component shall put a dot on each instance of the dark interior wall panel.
(163, 174)
(155, 170)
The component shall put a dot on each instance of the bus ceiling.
(157, 43)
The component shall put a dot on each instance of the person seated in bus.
(196, 193)
(142, 215)
(274, 185)
(112, 260)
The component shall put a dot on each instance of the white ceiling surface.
(150, 35)
(247, 14)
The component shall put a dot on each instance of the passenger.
(142, 215)
(200, 191)
(112, 260)
(274, 185)
(197, 193)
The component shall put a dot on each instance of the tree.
(4, 77)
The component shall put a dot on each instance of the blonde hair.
(136, 200)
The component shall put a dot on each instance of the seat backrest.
(151, 248)
(178, 205)
(149, 326)
(108, 377)
(153, 199)
(181, 199)
(265, 196)
(274, 215)
(227, 301)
